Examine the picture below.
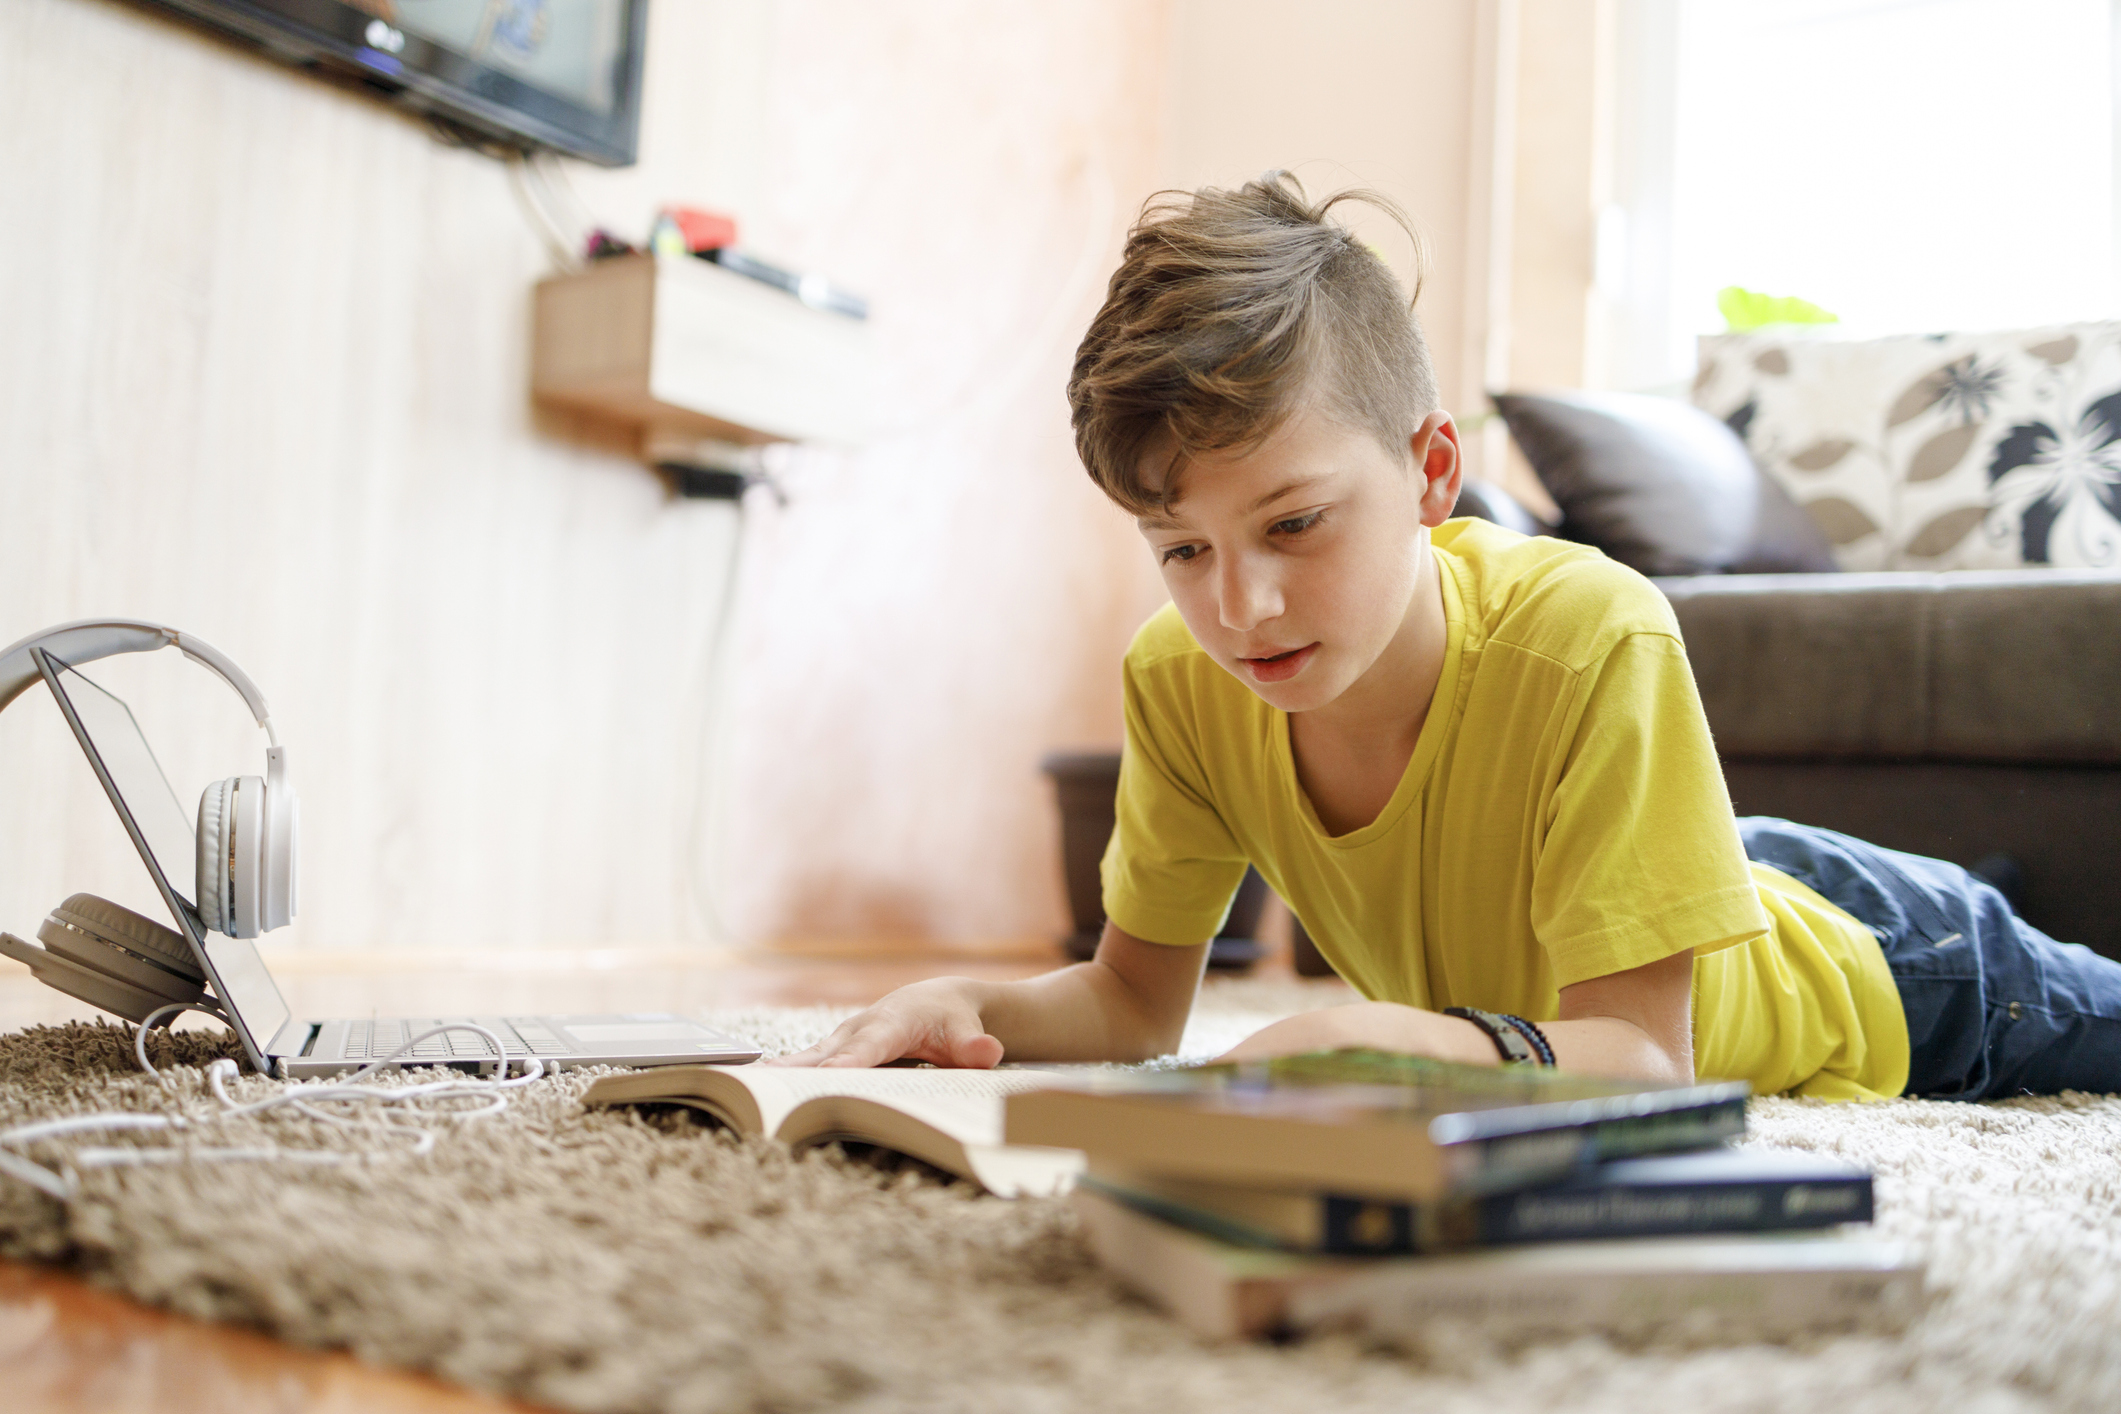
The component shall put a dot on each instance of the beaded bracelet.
(1540, 1045)
(1515, 1046)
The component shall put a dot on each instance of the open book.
(949, 1118)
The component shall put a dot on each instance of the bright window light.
(1911, 165)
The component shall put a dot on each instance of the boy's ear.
(1435, 448)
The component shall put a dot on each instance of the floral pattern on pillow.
(1948, 451)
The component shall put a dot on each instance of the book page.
(966, 1105)
(1024, 1170)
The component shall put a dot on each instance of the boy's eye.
(1178, 552)
(1297, 525)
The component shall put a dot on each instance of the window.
(1911, 165)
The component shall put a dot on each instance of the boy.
(1473, 763)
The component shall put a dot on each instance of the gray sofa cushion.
(1660, 486)
(1484, 500)
(1996, 666)
(2056, 823)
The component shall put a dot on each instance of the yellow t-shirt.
(1563, 817)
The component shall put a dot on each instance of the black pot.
(1086, 785)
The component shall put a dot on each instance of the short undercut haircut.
(1229, 311)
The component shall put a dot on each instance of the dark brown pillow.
(1484, 500)
(1661, 486)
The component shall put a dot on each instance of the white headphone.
(249, 827)
(115, 959)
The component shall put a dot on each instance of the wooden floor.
(66, 1347)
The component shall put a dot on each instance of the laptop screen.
(162, 829)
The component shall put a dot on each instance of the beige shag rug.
(610, 1261)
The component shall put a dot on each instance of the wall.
(933, 615)
(262, 372)
(1563, 181)
(1369, 93)
(1418, 99)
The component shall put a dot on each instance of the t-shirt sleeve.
(1640, 857)
(1172, 866)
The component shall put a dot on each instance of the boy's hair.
(1229, 310)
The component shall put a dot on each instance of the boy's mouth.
(1279, 667)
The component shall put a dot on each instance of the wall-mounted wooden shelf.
(679, 347)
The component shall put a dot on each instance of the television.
(563, 75)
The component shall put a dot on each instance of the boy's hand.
(935, 1021)
(1129, 1003)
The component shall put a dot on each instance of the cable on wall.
(559, 249)
(704, 839)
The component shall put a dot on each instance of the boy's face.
(1296, 564)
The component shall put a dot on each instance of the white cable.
(705, 832)
(393, 1104)
(147, 1024)
(558, 248)
(552, 173)
(35, 1175)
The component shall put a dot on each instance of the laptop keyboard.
(373, 1040)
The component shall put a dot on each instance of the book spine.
(1399, 1304)
(1510, 1161)
(1669, 1133)
(1567, 1214)
(1353, 1227)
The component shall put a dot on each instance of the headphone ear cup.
(119, 944)
(282, 849)
(99, 984)
(98, 989)
(165, 949)
(213, 857)
(232, 855)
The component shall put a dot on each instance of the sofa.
(1973, 716)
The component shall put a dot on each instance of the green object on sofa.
(1745, 310)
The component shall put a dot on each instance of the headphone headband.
(89, 639)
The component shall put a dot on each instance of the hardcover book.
(1371, 1124)
(1751, 1288)
(1714, 1191)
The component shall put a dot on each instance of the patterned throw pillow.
(1946, 451)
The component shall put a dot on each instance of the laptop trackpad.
(621, 1036)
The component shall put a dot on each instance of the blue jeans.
(1994, 1006)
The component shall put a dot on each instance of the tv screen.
(559, 74)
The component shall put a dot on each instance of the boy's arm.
(1128, 1003)
(1637, 1025)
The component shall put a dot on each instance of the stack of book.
(1383, 1192)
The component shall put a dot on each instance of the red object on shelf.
(702, 230)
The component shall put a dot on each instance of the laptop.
(277, 1041)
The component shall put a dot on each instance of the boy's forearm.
(1607, 1045)
(1599, 1045)
(1069, 1015)
(1087, 1012)
(1592, 1045)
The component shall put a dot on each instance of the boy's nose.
(1247, 596)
